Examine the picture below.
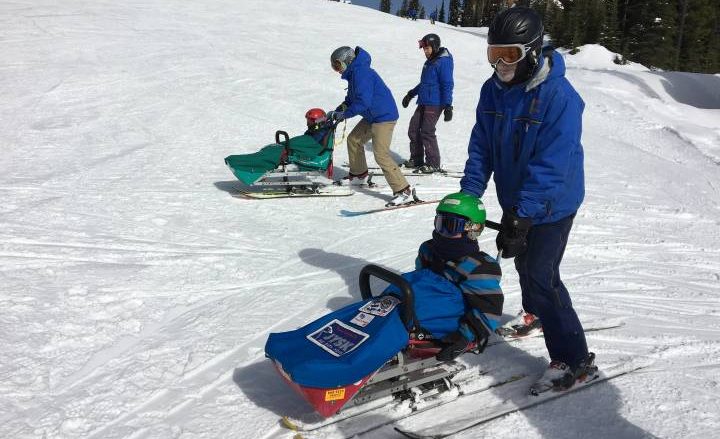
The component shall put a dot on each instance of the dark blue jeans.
(544, 294)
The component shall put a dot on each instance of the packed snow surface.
(137, 293)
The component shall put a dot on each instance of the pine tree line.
(666, 34)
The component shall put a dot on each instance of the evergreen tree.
(651, 35)
(454, 13)
(700, 37)
(666, 34)
(609, 32)
(385, 5)
(441, 16)
(402, 12)
(421, 15)
(415, 5)
(489, 9)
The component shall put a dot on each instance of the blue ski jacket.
(436, 81)
(367, 94)
(528, 136)
(476, 276)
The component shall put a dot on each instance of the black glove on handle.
(448, 113)
(512, 239)
(408, 97)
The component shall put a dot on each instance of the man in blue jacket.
(434, 94)
(369, 97)
(527, 134)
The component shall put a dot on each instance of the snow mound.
(595, 56)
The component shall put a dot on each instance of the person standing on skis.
(369, 97)
(527, 135)
(434, 96)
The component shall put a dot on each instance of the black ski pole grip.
(493, 225)
(391, 278)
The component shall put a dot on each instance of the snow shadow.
(642, 85)
(227, 186)
(594, 412)
(264, 387)
(347, 267)
(698, 90)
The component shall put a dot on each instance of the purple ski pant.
(423, 142)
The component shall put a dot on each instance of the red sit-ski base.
(328, 401)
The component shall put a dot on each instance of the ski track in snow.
(138, 294)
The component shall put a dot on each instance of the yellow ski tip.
(287, 423)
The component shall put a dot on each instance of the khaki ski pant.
(381, 135)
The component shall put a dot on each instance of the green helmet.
(462, 204)
(470, 210)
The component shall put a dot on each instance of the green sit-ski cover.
(304, 151)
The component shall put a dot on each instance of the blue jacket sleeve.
(479, 165)
(446, 82)
(362, 95)
(558, 139)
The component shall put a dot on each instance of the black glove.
(448, 113)
(335, 116)
(341, 107)
(453, 345)
(512, 239)
(408, 97)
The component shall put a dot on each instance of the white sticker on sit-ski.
(380, 306)
(362, 319)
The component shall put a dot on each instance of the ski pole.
(495, 226)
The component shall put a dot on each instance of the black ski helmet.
(518, 25)
(433, 41)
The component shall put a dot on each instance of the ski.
(351, 213)
(281, 193)
(408, 172)
(385, 411)
(592, 326)
(514, 400)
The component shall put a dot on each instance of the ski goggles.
(450, 225)
(338, 65)
(421, 44)
(509, 53)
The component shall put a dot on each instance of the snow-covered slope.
(137, 294)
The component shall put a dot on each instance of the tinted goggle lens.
(421, 44)
(449, 225)
(508, 53)
(336, 65)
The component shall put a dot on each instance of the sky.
(138, 292)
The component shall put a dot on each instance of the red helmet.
(315, 116)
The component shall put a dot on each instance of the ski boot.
(559, 376)
(523, 325)
(405, 196)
